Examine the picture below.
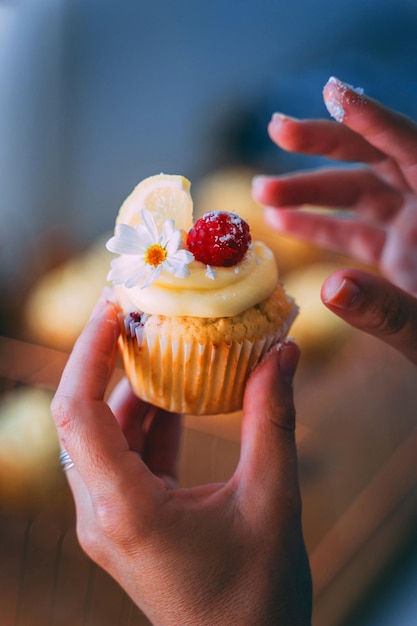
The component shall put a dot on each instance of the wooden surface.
(357, 440)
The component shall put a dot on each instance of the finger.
(130, 412)
(267, 469)
(162, 446)
(83, 503)
(336, 233)
(357, 189)
(153, 433)
(91, 362)
(388, 131)
(78, 408)
(86, 426)
(323, 138)
(84, 508)
(375, 306)
(399, 259)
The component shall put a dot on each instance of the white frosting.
(233, 290)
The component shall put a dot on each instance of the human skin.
(222, 553)
(380, 195)
(234, 552)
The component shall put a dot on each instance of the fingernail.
(335, 97)
(343, 294)
(289, 354)
(279, 118)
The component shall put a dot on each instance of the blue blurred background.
(95, 96)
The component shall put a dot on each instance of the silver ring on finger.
(65, 460)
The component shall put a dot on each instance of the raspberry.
(219, 239)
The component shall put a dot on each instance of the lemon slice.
(165, 196)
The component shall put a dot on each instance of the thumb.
(372, 304)
(267, 468)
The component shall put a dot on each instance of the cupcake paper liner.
(182, 375)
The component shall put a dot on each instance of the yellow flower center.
(155, 255)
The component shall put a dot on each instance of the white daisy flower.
(145, 253)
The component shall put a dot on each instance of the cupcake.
(199, 303)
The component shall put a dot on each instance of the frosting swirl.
(231, 291)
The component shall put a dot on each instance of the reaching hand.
(378, 223)
(229, 553)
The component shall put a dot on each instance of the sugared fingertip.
(337, 94)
